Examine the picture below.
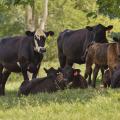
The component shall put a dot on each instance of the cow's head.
(51, 71)
(99, 32)
(58, 77)
(39, 39)
(69, 73)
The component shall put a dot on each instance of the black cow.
(72, 44)
(115, 79)
(53, 82)
(73, 78)
(106, 78)
(21, 54)
(78, 81)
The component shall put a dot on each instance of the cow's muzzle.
(40, 50)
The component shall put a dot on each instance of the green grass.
(88, 104)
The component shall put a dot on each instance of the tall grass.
(73, 104)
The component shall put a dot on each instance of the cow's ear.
(115, 39)
(45, 70)
(89, 28)
(59, 69)
(29, 33)
(49, 33)
(109, 27)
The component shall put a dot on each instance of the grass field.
(88, 104)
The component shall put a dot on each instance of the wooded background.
(17, 16)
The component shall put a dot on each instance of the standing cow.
(107, 54)
(21, 54)
(72, 44)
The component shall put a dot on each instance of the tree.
(45, 14)
(109, 8)
(30, 16)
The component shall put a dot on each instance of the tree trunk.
(30, 17)
(45, 14)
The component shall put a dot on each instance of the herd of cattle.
(84, 46)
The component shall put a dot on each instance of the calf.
(102, 55)
(74, 78)
(53, 82)
(21, 54)
(78, 81)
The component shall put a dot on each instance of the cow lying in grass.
(102, 55)
(77, 81)
(74, 78)
(52, 82)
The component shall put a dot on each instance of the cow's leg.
(24, 88)
(62, 59)
(23, 67)
(88, 70)
(1, 76)
(36, 72)
(95, 73)
(4, 80)
(102, 71)
(69, 62)
(88, 73)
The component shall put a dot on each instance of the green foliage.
(16, 2)
(110, 8)
(11, 21)
(62, 14)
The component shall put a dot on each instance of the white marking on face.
(18, 64)
(37, 49)
(38, 33)
(36, 44)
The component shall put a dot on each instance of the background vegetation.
(62, 14)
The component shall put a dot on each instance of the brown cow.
(102, 55)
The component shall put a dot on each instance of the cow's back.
(42, 85)
(112, 55)
(97, 53)
(9, 48)
(73, 43)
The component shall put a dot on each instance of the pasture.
(70, 104)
